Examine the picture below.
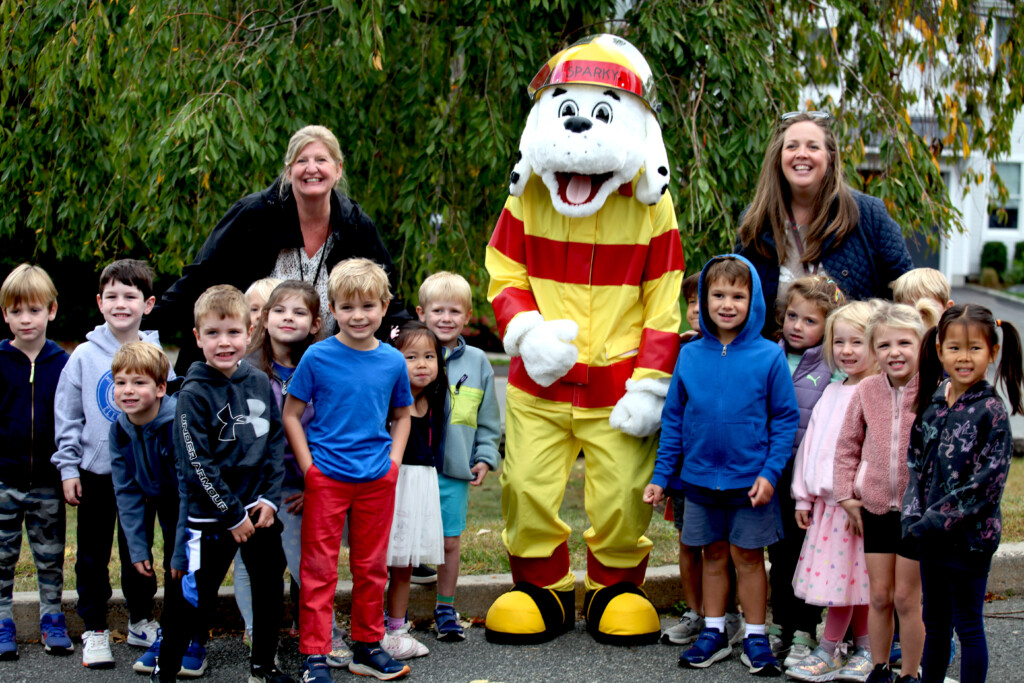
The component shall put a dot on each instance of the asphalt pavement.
(572, 658)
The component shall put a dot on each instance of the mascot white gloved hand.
(586, 267)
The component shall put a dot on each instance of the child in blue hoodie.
(144, 468)
(30, 494)
(728, 427)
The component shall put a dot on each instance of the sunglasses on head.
(823, 115)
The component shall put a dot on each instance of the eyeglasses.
(822, 115)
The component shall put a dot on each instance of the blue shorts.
(454, 503)
(711, 516)
(678, 508)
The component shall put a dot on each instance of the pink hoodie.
(812, 468)
(871, 455)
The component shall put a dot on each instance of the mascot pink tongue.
(585, 265)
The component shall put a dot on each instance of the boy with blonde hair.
(84, 409)
(473, 433)
(30, 494)
(350, 462)
(230, 450)
(922, 283)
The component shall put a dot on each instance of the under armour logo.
(259, 425)
(814, 379)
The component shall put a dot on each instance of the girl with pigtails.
(959, 458)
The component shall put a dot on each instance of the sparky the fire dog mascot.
(586, 266)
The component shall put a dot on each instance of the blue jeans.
(953, 598)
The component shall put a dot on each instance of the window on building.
(1004, 216)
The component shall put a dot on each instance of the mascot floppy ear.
(653, 181)
(522, 170)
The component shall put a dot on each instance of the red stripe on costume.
(508, 237)
(579, 263)
(609, 576)
(658, 350)
(664, 255)
(595, 386)
(511, 302)
(541, 571)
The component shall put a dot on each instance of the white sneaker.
(686, 631)
(403, 647)
(96, 652)
(143, 633)
(802, 647)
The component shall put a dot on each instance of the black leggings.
(953, 598)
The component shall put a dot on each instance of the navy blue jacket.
(863, 264)
(144, 466)
(27, 389)
(731, 413)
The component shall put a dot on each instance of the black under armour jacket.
(230, 444)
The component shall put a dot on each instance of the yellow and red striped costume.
(617, 274)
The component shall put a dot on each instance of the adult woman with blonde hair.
(805, 219)
(299, 228)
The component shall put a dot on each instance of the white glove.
(544, 346)
(638, 412)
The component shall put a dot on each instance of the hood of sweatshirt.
(200, 371)
(755, 315)
(13, 354)
(102, 337)
(163, 416)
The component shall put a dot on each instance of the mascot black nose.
(578, 124)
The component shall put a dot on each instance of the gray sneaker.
(802, 646)
(686, 631)
(733, 627)
(817, 666)
(857, 667)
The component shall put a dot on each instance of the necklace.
(319, 266)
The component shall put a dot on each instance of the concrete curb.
(475, 595)
(995, 293)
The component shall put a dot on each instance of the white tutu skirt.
(417, 536)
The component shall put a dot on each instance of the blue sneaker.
(757, 656)
(711, 646)
(370, 659)
(193, 662)
(952, 650)
(446, 623)
(146, 664)
(895, 652)
(8, 646)
(54, 635)
(316, 670)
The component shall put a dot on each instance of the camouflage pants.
(41, 510)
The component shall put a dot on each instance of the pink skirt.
(831, 569)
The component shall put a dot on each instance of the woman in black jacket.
(297, 229)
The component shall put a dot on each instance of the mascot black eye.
(568, 108)
(602, 112)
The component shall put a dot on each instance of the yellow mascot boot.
(541, 604)
(617, 610)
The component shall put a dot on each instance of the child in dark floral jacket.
(959, 458)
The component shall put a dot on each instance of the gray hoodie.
(84, 408)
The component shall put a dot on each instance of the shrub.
(1015, 275)
(989, 278)
(1018, 252)
(993, 255)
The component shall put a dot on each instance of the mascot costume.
(586, 267)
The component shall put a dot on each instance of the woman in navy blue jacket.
(804, 218)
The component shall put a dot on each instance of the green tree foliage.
(130, 128)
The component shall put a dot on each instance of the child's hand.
(72, 490)
(803, 519)
(761, 492)
(145, 567)
(479, 471)
(243, 531)
(653, 494)
(295, 503)
(177, 574)
(854, 522)
(264, 515)
(689, 334)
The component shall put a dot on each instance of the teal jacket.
(474, 428)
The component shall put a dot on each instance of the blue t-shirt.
(352, 392)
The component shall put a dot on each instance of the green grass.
(482, 549)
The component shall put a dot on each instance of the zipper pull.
(458, 385)
(723, 350)
(32, 372)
